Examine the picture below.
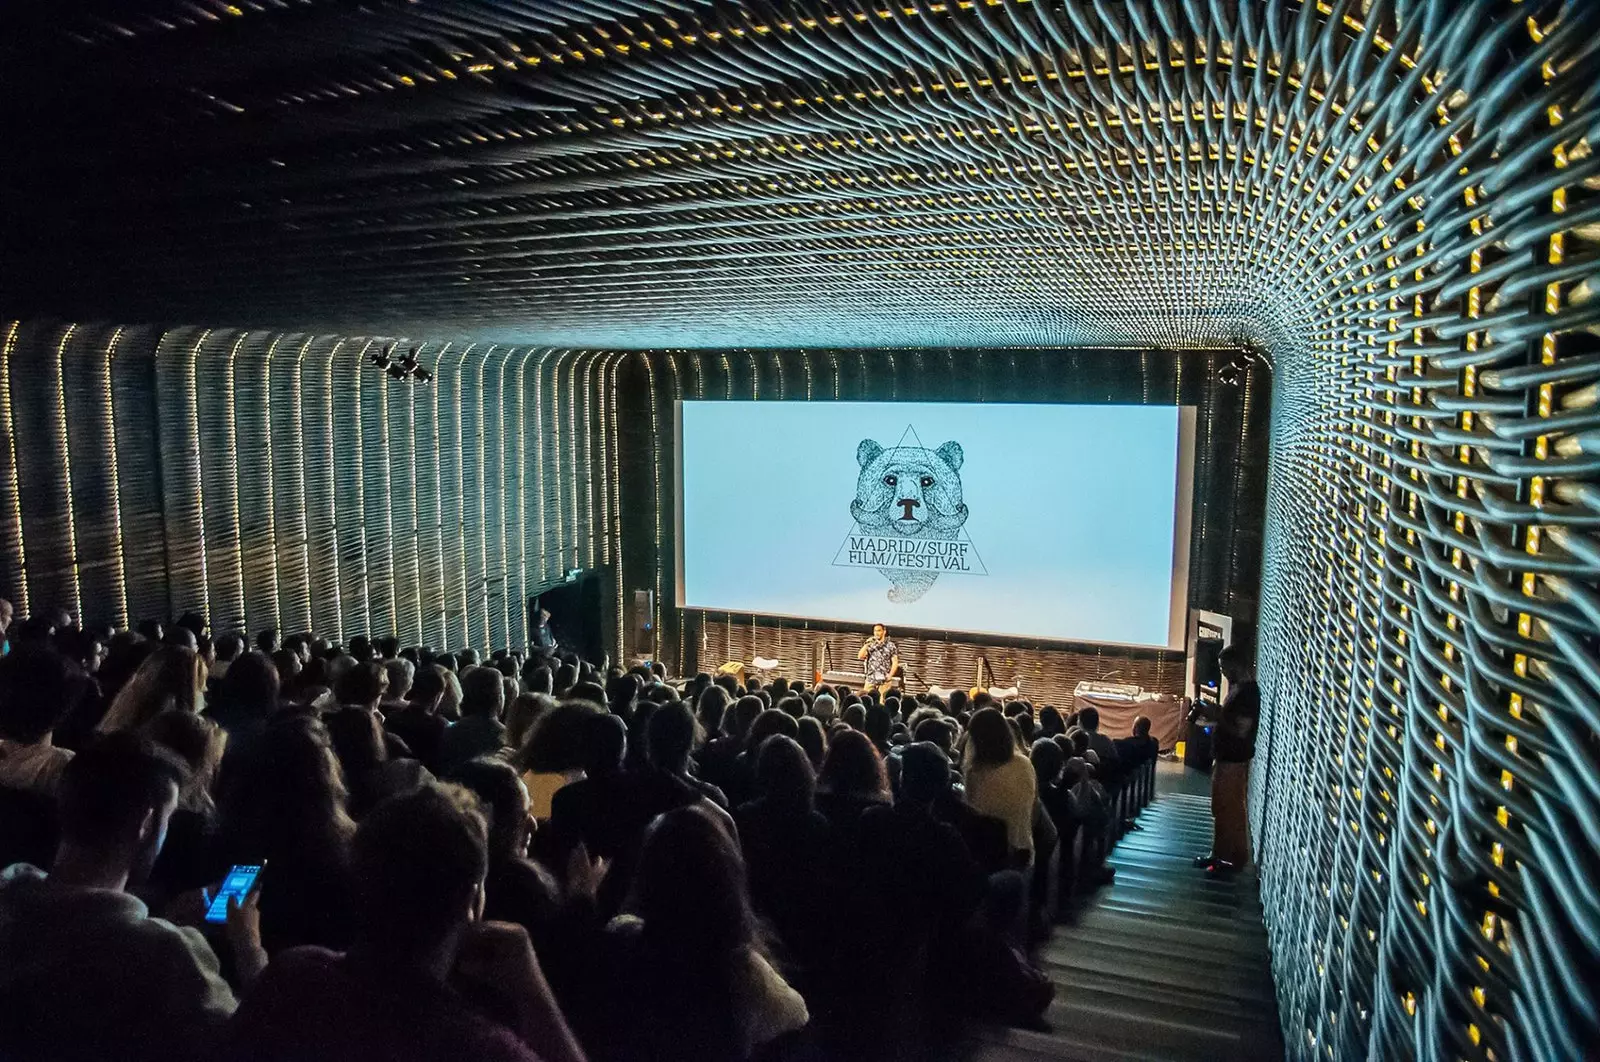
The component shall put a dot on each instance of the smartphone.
(237, 884)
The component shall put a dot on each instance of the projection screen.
(1055, 522)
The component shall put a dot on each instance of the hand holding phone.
(239, 883)
(237, 907)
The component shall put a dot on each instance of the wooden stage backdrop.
(1044, 672)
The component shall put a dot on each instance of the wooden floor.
(1163, 964)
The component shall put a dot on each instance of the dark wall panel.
(44, 466)
(285, 371)
(86, 385)
(140, 492)
(252, 422)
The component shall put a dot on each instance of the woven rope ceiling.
(673, 172)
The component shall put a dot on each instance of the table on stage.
(1119, 707)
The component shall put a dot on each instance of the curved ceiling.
(681, 172)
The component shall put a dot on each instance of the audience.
(516, 889)
(852, 779)
(401, 673)
(922, 886)
(671, 738)
(1099, 744)
(245, 699)
(1140, 748)
(522, 712)
(370, 774)
(785, 870)
(813, 737)
(556, 752)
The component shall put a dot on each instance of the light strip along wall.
(281, 480)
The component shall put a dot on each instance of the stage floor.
(1164, 965)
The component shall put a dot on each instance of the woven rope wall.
(1229, 490)
(1395, 200)
(281, 480)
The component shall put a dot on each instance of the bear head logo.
(909, 490)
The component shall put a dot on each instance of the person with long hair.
(814, 739)
(786, 847)
(285, 807)
(1000, 780)
(852, 779)
(689, 953)
(171, 678)
(450, 701)
(187, 858)
(245, 699)
(199, 743)
(370, 773)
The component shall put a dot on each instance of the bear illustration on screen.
(914, 493)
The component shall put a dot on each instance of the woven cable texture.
(149, 485)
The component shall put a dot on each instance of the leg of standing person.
(1229, 789)
(1219, 788)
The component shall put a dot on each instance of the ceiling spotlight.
(384, 357)
(409, 362)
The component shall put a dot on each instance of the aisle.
(1165, 964)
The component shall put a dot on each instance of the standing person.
(882, 657)
(543, 636)
(1233, 743)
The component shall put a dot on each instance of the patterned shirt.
(878, 659)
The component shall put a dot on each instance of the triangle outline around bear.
(961, 536)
